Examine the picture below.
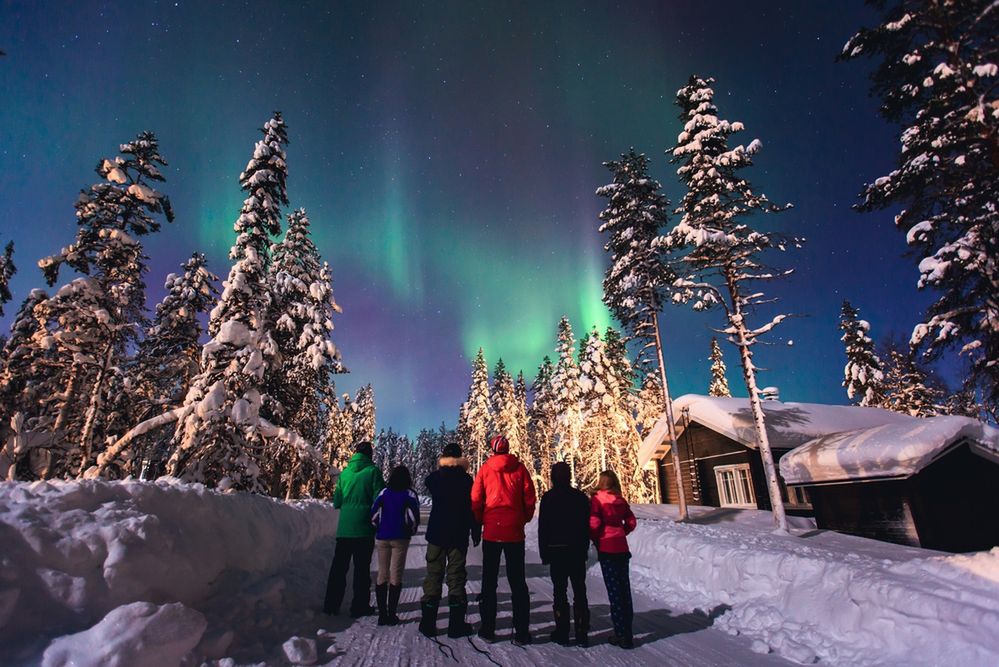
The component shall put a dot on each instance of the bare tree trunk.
(749, 375)
(96, 399)
(670, 426)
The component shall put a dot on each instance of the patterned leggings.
(615, 571)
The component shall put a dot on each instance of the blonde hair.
(609, 482)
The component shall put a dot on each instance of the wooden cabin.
(923, 482)
(719, 460)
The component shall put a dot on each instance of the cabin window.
(797, 496)
(735, 486)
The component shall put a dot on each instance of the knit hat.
(451, 450)
(364, 447)
(499, 445)
(561, 474)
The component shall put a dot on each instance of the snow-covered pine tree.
(719, 383)
(506, 419)
(637, 281)
(363, 423)
(567, 397)
(7, 270)
(719, 253)
(95, 319)
(168, 358)
(221, 438)
(908, 387)
(302, 310)
(520, 412)
(863, 375)
(600, 396)
(426, 451)
(541, 420)
(937, 73)
(339, 432)
(477, 413)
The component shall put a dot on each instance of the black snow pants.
(513, 552)
(566, 567)
(358, 550)
(618, 582)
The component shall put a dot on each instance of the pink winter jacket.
(611, 520)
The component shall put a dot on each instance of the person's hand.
(476, 540)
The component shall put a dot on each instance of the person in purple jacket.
(395, 515)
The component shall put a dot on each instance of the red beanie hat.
(499, 445)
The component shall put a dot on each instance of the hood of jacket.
(359, 462)
(454, 462)
(504, 462)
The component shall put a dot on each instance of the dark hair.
(451, 449)
(400, 479)
(609, 482)
(364, 447)
(561, 474)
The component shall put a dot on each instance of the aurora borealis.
(448, 153)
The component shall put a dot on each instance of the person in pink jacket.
(611, 520)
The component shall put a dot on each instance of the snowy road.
(661, 638)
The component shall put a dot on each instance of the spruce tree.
(639, 277)
(936, 77)
(363, 422)
(520, 417)
(541, 420)
(96, 318)
(169, 356)
(477, 413)
(719, 383)
(720, 255)
(7, 270)
(908, 387)
(863, 376)
(600, 396)
(221, 438)
(567, 398)
(506, 421)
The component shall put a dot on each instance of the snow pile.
(76, 552)
(891, 450)
(823, 596)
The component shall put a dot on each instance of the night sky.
(448, 153)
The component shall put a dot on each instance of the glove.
(475, 540)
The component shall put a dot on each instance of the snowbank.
(72, 553)
(822, 596)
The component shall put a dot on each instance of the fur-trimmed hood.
(454, 462)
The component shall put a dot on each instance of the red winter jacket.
(503, 498)
(610, 521)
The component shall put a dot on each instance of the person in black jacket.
(450, 525)
(564, 542)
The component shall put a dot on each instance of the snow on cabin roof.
(887, 451)
(788, 424)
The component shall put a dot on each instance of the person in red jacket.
(503, 500)
(611, 520)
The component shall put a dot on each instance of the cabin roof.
(895, 450)
(788, 424)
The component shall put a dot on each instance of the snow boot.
(394, 591)
(581, 618)
(428, 617)
(561, 633)
(381, 593)
(456, 626)
(522, 638)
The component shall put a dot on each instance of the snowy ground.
(193, 577)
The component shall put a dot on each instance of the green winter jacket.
(356, 489)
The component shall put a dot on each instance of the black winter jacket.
(451, 521)
(564, 522)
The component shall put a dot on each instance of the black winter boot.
(381, 594)
(581, 618)
(561, 633)
(394, 591)
(428, 617)
(456, 625)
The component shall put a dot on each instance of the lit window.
(796, 495)
(735, 486)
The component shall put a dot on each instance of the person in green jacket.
(355, 491)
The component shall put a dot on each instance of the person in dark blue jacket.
(564, 543)
(396, 516)
(450, 525)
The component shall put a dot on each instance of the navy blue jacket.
(395, 514)
(451, 521)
